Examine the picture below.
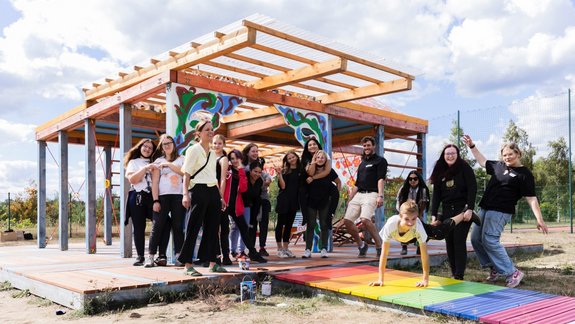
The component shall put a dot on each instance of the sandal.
(218, 269)
(192, 272)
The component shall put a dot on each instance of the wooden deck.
(71, 278)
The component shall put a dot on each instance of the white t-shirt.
(136, 165)
(170, 182)
(390, 231)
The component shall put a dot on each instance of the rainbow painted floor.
(468, 300)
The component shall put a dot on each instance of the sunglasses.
(413, 179)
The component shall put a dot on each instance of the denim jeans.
(486, 241)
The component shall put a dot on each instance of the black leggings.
(456, 241)
(205, 209)
(139, 212)
(264, 222)
(284, 226)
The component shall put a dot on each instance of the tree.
(463, 150)
(554, 172)
(514, 134)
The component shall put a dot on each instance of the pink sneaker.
(493, 275)
(514, 279)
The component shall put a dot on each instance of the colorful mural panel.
(190, 104)
(306, 124)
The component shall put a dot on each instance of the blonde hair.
(409, 208)
(512, 146)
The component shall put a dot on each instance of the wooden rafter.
(302, 74)
(367, 91)
(254, 126)
(249, 115)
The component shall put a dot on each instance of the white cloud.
(14, 133)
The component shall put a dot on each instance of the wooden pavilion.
(259, 80)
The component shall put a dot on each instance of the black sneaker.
(403, 249)
(257, 258)
(226, 260)
(139, 261)
(161, 261)
(378, 252)
(475, 218)
(363, 251)
(263, 252)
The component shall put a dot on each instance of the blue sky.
(464, 54)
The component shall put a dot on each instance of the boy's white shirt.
(390, 231)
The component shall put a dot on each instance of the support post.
(380, 212)
(41, 208)
(108, 198)
(63, 214)
(421, 161)
(125, 145)
(90, 189)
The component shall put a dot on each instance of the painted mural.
(306, 124)
(190, 104)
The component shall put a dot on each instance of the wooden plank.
(540, 311)
(256, 113)
(229, 43)
(301, 74)
(383, 88)
(105, 107)
(374, 116)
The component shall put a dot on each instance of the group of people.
(455, 188)
(226, 195)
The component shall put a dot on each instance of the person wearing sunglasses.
(413, 188)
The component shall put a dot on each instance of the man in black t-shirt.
(366, 195)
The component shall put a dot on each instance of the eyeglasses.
(167, 143)
(413, 179)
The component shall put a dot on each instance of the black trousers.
(284, 226)
(170, 217)
(456, 240)
(264, 222)
(204, 212)
(140, 210)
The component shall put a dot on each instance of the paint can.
(247, 290)
(267, 288)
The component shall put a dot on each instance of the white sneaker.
(306, 254)
(282, 254)
(323, 253)
(150, 263)
(289, 253)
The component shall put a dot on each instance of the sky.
(463, 53)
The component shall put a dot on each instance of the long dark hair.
(422, 188)
(246, 159)
(136, 151)
(286, 169)
(306, 156)
(443, 171)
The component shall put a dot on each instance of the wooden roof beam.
(367, 91)
(310, 44)
(229, 43)
(250, 127)
(302, 74)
